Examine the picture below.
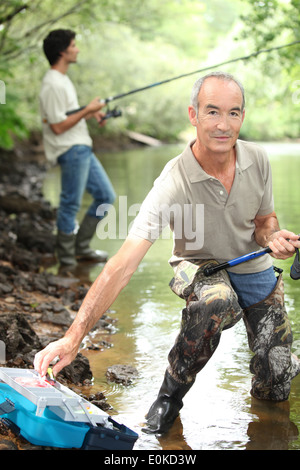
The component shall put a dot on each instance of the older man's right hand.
(63, 350)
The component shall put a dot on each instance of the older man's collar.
(197, 174)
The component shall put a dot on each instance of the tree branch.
(13, 52)
(10, 16)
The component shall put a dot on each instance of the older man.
(231, 181)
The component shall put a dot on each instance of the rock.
(34, 304)
(21, 188)
(123, 374)
(38, 238)
(25, 260)
(27, 219)
(59, 281)
(40, 283)
(5, 288)
(17, 203)
(19, 338)
(62, 318)
(99, 399)
(78, 371)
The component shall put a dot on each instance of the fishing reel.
(295, 268)
(114, 113)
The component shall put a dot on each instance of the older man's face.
(220, 115)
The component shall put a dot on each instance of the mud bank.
(37, 307)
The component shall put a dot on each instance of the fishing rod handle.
(241, 259)
(214, 269)
(73, 111)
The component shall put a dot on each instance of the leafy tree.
(272, 21)
(275, 102)
(124, 45)
(22, 26)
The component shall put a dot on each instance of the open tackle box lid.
(60, 399)
(46, 412)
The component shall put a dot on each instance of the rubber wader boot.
(84, 236)
(270, 338)
(65, 248)
(166, 407)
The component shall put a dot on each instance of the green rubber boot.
(65, 248)
(84, 236)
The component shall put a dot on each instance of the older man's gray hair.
(222, 76)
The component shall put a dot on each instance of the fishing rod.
(114, 113)
(162, 82)
(241, 259)
(294, 271)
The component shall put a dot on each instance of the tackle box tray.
(48, 413)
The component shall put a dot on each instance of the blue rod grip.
(249, 256)
(241, 259)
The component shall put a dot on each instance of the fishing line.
(247, 57)
(162, 82)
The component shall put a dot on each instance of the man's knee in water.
(217, 303)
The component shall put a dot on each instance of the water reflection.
(219, 412)
(273, 430)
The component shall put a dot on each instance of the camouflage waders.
(212, 306)
(270, 338)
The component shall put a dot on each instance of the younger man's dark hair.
(56, 42)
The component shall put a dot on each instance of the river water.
(218, 412)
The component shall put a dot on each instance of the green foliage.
(275, 103)
(11, 124)
(272, 20)
(23, 24)
(125, 45)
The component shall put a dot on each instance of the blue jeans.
(81, 171)
(254, 287)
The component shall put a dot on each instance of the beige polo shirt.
(57, 96)
(206, 222)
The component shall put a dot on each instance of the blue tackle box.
(46, 413)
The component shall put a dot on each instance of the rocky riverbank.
(36, 307)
